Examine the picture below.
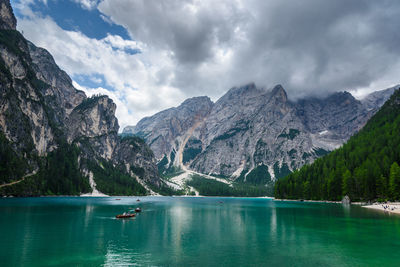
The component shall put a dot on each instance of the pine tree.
(394, 181)
(347, 184)
(381, 187)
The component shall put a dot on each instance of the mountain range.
(54, 140)
(254, 130)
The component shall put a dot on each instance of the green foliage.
(359, 168)
(320, 152)
(192, 149)
(172, 172)
(282, 171)
(162, 163)
(208, 187)
(122, 135)
(241, 126)
(168, 170)
(190, 153)
(59, 174)
(112, 180)
(172, 156)
(165, 190)
(291, 135)
(394, 181)
(12, 166)
(138, 145)
(139, 171)
(259, 176)
(142, 135)
(89, 102)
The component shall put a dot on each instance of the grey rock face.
(163, 131)
(377, 99)
(61, 89)
(93, 117)
(7, 19)
(249, 127)
(40, 108)
(139, 159)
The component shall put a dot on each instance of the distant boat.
(117, 199)
(138, 209)
(125, 215)
(138, 200)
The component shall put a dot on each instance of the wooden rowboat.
(123, 216)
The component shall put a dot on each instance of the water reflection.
(120, 255)
(193, 232)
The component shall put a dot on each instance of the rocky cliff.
(252, 130)
(166, 131)
(7, 19)
(42, 113)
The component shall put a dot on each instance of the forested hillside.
(365, 168)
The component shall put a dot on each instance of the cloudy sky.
(148, 55)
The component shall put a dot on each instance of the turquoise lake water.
(74, 231)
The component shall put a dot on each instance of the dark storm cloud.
(189, 32)
(311, 46)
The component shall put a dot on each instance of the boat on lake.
(138, 210)
(125, 215)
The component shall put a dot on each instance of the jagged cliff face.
(40, 109)
(7, 19)
(250, 127)
(94, 121)
(166, 131)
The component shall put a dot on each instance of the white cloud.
(313, 47)
(135, 78)
(87, 4)
(190, 48)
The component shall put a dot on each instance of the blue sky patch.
(88, 22)
(92, 81)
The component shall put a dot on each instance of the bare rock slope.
(251, 129)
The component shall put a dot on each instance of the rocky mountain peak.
(197, 104)
(241, 90)
(95, 116)
(7, 18)
(250, 128)
(196, 100)
(377, 99)
(342, 98)
(279, 93)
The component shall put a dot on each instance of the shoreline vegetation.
(365, 168)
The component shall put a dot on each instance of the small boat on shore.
(138, 209)
(125, 215)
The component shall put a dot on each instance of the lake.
(182, 231)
